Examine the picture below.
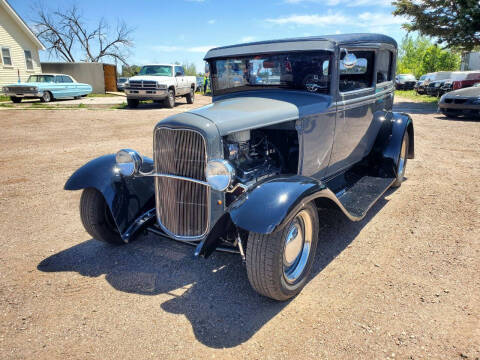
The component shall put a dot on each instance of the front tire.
(47, 97)
(190, 96)
(132, 103)
(97, 218)
(15, 99)
(402, 161)
(278, 264)
(170, 100)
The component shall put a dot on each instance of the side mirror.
(349, 61)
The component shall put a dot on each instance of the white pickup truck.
(160, 83)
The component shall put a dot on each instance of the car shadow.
(459, 118)
(154, 106)
(213, 294)
(411, 107)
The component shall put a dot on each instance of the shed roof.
(325, 42)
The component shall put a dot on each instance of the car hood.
(254, 109)
(467, 92)
(150, 78)
(30, 84)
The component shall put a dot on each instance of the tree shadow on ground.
(411, 107)
(214, 294)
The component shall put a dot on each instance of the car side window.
(179, 69)
(384, 66)
(360, 76)
(67, 79)
(58, 79)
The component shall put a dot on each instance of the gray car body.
(462, 99)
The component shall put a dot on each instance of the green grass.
(101, 95)
(4, 98)
(119, 106)
(411, 94)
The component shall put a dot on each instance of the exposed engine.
(257, 154)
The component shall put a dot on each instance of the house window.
(7, 59)
(28, 59)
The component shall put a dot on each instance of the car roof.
(325, 42)
(161, 65)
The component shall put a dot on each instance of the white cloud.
(212, 21)
(247, 39)
(349, 3)
(314, 19)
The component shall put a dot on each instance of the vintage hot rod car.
(295, 125)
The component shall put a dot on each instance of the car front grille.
(460, 101)
(182, 205)
(21, 89)
(142, 84)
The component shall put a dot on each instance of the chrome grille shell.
(183, 207)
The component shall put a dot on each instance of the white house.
(470, 61)
(19, 47)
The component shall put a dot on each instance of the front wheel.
(278, 264)
(97, 218)
(15, 99)
(170, 100)
(190, 96)
(402, 161)
(47, 97)
(132, 103)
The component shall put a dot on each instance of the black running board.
(360, 196)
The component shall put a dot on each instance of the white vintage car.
(160, 83)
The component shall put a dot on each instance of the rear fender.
(130, 199)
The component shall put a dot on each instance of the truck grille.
(142, 84)
(182, 205)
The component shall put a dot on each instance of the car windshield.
(407, 77)
(309, 71)
(40, 78)
(156, 70)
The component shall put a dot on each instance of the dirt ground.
(403, 283)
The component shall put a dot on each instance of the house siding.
(13, 37)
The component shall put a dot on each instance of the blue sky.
(183, 30)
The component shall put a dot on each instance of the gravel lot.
(404, 283)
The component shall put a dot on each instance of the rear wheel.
(402, 161)
(132, 103)
(47, 97)
(278, 264)
(97, 218)
(15, 99)
(190, 96)
(170, 100)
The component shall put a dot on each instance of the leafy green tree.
(419, 55)
(455, 23)
(130, 70)
(190, 69)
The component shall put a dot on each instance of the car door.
(355, 108)
(58, 87)
(180, 78)
(70, 86)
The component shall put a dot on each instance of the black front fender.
(268, 206)
(128, 198)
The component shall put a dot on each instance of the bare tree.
(65, 33)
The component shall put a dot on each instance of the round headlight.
(128, 162)
(219, 174)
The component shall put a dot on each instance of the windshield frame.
(52, 77)
(169, 74)
(212, 64)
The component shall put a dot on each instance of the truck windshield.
(156, 70)
(40, 78)
(307, 71)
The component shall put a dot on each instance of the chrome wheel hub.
(297, 246)
(403, 156)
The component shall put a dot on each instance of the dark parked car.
(460, 80)
(423, 82)
(461, 102)
(405, 82)
(295, 125)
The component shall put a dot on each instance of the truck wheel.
(15, 99)
(132, 103)
(402, 161)
(47, 97)
(278, 264)
(97, 218)
(170, 100)
(190, 96)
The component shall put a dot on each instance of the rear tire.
(132, 103)
(402, 160)
(170, 100)
(97, 218)
(278, 264)
(15, 99)
(190, 96)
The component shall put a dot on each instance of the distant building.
(19, 47)
(470, 61)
